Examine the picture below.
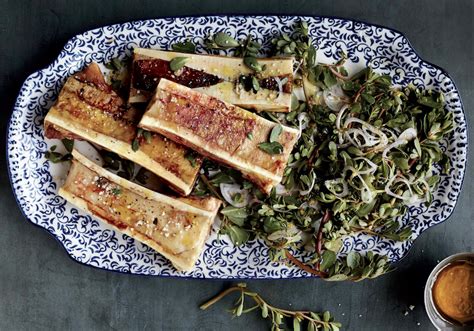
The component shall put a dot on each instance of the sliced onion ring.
(306, 192)
(229, 190)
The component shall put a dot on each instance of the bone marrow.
(177, 228)
(87, 108)
(217, 76)
(220, 131)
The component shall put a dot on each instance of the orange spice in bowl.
(449, 293)
(453, 292)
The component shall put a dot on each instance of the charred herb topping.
(116, 191)
(249, 83)
(142, 135)
(191, 157)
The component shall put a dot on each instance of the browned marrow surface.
(220, 131)
(87, 108)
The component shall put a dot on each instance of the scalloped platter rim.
(93, 243)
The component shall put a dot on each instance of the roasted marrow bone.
(87, 108)
(177, 228)
(220, 131)
(223, 77)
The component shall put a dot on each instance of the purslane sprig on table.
(298, 318)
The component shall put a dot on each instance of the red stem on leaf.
(337, 74)
(303, 266)
(319, 236)
(356, 97)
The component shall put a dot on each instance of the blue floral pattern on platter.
(93, 243)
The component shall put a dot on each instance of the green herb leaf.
(430, 102)
(353, 260)
(326, 316)
(116, 191)
(147, 136)
(329, 258)
(296, 324)
(271, 147)
(235, 215)
(369, 98)
(294, 103)
(329, 78)
(222, 39)
(253, 64)
(275, 133)
(238, 235)
(56, 157)
(135, 145)
(191, 156)
(264, 310)
(184, 47)
(311, 57)
(68, 144)
(255, 84)
(115, 64)
(177, 63)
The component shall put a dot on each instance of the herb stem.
(221, 295)
(315, 153)
(357, 96)
(262, 304)
(337, 74)
(212, 189)
(303, 266)
(319, 236)
(284, 312)
(367, 231)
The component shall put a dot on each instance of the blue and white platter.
(35, 180)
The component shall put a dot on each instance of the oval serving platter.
(35, 180)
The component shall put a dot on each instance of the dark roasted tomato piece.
(270, 83)
(147, 75)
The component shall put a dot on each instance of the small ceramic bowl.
(436, 318)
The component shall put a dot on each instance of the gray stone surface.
(41, 288)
